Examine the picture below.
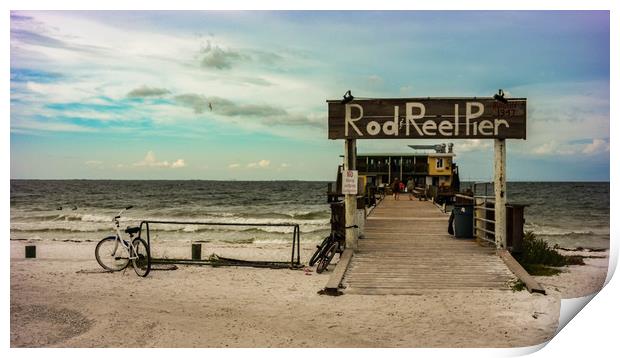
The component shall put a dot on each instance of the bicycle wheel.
(327, 258)
(141, 257)
(319, 249)
(111, 254)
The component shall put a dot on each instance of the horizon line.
(303, 180)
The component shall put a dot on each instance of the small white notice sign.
(349, 182)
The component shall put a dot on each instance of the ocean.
(567, 214)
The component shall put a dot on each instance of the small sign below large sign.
(349, 181)
(427, 118)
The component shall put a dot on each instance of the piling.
(350, 199)
(196, 251)
(31, 252)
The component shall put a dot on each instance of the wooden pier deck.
(407, 250)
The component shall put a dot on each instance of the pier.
(407, 250)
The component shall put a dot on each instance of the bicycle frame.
(119, 235)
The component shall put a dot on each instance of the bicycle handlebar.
(120, 212)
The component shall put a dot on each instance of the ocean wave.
(59, 229)
(554, 231)
(169, 228)
(299, 215)
(305, 217)
(55, 217)
(237, 228)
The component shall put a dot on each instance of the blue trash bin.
(463, 221)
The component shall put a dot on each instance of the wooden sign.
(427, 118)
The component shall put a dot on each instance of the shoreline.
(54, 303)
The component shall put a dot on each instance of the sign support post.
(499, 185)
(350, 200)
(496, 118)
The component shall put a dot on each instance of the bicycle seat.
(132, 230)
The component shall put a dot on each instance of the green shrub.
(537, 252)
(518, 285)
(538, 259)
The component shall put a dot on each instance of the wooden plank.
(407, 250)
(531, 284)
(336, 277)
(413, 291)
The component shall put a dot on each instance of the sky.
(241, 95)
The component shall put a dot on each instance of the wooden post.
(499, 184)
(350, 200)
(31, 252)
(479, 224)
(389, 171)
(196, 251)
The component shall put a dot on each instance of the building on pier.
(432, 167)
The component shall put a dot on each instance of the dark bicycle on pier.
(335, 242)
(325, 252)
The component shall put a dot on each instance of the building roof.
(406, 154)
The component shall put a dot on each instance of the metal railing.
(482, 205)
(295, 261)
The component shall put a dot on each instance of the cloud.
(257, 81)
(226, 107)
(21, 125)
(33, 75)
(33, 38)
(97, 164)
(554, 148)
(405, 90)
(218, 58)
(589, 147)
(268, 115)
(151, 162)
(265, 57)
(197, 102)
(29, 37)
(472, 145)
(224, 58)
(597, 146)
(145, 91)
(233, 166)
(179, 163)
(16, 17)
(260, 164)
(375, 80)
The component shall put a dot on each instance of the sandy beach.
(579, 280)
(60, 300)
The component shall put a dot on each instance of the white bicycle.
(114, 253)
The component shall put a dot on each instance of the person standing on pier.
(410, 187)
(396, 188)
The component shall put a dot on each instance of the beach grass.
(539, 259)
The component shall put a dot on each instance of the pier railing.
(484, 213)
(295, 259)
(484, 217)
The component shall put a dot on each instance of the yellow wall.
(446, 169)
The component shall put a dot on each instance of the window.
(439, 163)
